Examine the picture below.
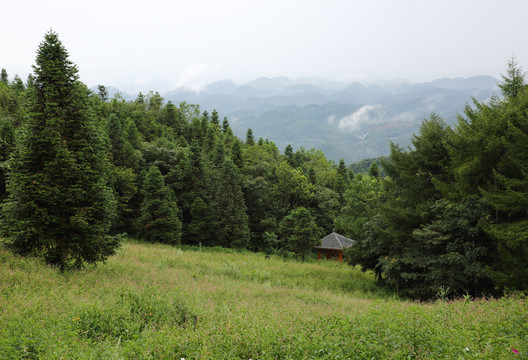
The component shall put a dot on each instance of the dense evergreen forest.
(449, 216)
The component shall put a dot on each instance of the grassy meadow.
(162, 302)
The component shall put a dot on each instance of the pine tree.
(236, 154)
(3, 77)
(103, 93)
(160, 216)
(509, 195)
(17, 84)
(140, 99)
(60, 205)
(225, 125)
(250, 140)
(199, 229)
(288, 154)
(230, 220)
(453, 250)
(512, 83)
(374, 170)
(215, 120)
(410, 194)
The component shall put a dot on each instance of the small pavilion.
(333, 245)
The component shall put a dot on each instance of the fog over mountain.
(349, 121)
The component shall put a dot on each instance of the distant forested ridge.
(449, 213)
(349, 121)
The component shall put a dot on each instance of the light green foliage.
(293, 189)
(362, 202)
(160, 302)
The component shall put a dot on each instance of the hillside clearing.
(157, 301)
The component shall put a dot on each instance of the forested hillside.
(80, 168)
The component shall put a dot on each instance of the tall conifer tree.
(160, 216)
(230, 219)
(59, 205)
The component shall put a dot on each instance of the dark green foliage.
(124, 182)
(160, 216)
(122, 151)
(371, 249)
(214, 118)
(18, 84)
(200, 229)
(374, 170)
(4, 77)
(325, 207)
(236, 154)
(342, 180)
(288, 154)
(449, 212)
(513, 82)
(363, 166)
(410, 193)
(140, 99)
(250, 140)
(509, 197)
(103, 93)
(154, 101)
(299, 232)
(59, 206)
(453, 217)
(453, 249)
(230, 217)
(225, 125)
(362, 202)
(7, 143)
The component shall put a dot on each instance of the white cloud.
(366, 115)
(196, 76)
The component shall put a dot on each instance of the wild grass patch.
(161, 302)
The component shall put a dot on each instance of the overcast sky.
(159, 45)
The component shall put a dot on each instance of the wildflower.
(466, 349)
(515, 351)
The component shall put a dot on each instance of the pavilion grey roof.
(336, 242)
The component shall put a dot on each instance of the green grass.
(156, 301)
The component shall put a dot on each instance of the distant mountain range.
(348, 121)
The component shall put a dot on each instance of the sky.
(162, 45)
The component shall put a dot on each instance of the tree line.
(78, 170)
(452, 215)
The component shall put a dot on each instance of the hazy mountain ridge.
(346, 120)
